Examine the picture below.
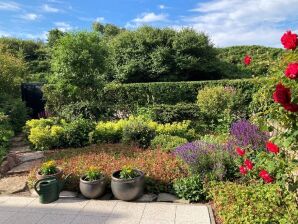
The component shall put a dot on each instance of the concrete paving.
(28, 210)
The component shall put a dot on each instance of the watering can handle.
(38, 182)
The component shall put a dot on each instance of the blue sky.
(227, 22)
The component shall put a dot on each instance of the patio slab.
(23, 210)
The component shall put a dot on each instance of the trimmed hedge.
(130, 96)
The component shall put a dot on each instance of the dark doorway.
(33, 96)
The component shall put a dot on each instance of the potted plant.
(128, 183)
(49, 169)
(92, 183)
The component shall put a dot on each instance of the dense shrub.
(232, 65)
(211, 161)
(254, 203)
(139, 133)
(129, 97)
(167, 142)
(166, 113)
(6, 132)
(190, 188)
(150, 54)
(75, 88)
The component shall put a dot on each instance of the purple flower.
(243, 134)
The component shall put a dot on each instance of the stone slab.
(68, 194)
(29, 156)
(24, 167)
(165, 197)
(13, 184)
(20, 149)
(147, 198)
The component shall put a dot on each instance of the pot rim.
(58, 171)
(114, 178)
(101, 179)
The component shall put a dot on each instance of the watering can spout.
(62, 183)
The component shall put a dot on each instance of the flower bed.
(161, 168)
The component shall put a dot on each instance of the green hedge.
(131, 96)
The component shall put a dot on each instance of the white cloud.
(161, 6)
(40, 36)
(99, 19)
(237, 22)
(150, 17)
(48, 8)
(9, 5)
(63, 26)
(29, 16)
(4, 34)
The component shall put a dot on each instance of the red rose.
(292, 107)
(240, 152)
(247, 60)
(289, 40)
(282, 94)
(272, 147)
(243, 170)
(292, 71)
(249, 165)
(265, 176)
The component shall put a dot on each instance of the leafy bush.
(190, 188)
(165, 113)
(254, 203)
(167, 142)
(109, 132)
(6, 133)
(138, 132)
(92, 174)
(76, 133)
(129, 97)
(127, 172)
(211, 161)
(48, 168)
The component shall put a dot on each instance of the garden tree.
(232, 65)
(152, 54)
(78, 64)
(108, 30)
(53, 36)
(34, 54)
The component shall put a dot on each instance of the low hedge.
(130, 96)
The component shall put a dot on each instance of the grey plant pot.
(92, 189)
(127, 189)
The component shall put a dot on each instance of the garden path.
(17, 164)
(28, 210)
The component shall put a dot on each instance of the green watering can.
(49, 189)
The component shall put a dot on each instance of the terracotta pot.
(58, 174)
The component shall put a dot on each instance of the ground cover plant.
(161, 168)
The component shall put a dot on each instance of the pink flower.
(282, 94)
(243, 170)
(289, 40)
(292, 71)
(265, 176)
(247, 60)
(272, 147)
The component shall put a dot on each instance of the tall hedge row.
(129, 96)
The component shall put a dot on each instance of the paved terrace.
(28, 210)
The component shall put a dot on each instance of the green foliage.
(154, 54)
(53, 36)
(129, 97)
(166, 113)
(93, 174)
(48, 168)
(167, 142)
(190, 188)
(6, 133)
(46, 134)
(138, 132)
(78, 63)
(254, 203)
(128, 172)
(232, 65)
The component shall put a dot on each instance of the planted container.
(128, 187)
(49, 169)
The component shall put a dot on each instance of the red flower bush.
(265, 176)
(292, 71)
(240, 151)
(282, 94)
(249, 165)
(289, 40)
(243, 170)
(247, 60)
(292, 107)
(271, 147)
